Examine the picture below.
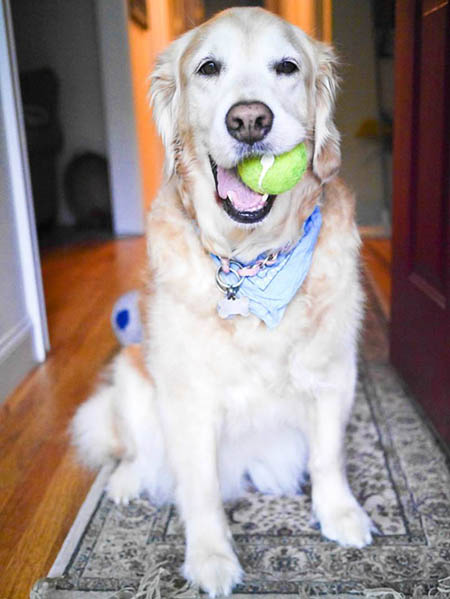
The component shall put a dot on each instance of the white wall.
(15, 325)
(361, 165)
(61, 34)
(120, 117)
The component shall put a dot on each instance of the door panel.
(428, 216)
(420, 329)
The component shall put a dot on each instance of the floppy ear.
(164, 96)
(327, 153)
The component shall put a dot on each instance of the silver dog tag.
(231, 306)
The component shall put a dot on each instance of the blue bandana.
(270, 290)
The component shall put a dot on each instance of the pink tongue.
(242, 197)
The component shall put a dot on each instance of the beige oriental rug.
(396, 468)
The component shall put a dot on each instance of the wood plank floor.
(377, 260)
(41, 486)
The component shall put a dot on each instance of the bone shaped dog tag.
(228, 307)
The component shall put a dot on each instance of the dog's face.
(246, 91)
(244, 83)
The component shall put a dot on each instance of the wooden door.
(420, 328)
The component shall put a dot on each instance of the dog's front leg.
(191, 433)
(341, 517)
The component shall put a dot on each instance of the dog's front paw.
(124, 483)
(348, 524)
(216, 572)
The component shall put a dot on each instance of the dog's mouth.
(241, 203)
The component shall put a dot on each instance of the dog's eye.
(286, 67)
(210, 68)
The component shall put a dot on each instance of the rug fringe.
(443, 586)
(383, 593)
(152, 586)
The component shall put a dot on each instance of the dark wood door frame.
(420, 327)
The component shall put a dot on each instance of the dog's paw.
(216, 572)
(347, 524)
(124, 484)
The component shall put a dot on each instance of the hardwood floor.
(41, 486)
(377, 260)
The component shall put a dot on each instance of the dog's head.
(244, 83)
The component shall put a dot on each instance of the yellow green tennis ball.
(274, 174)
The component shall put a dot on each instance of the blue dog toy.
(126, 319)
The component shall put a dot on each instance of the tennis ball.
(274, 174)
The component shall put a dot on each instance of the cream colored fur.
(214, 402)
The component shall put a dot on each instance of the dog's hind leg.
(119, 422)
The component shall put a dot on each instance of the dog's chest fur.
(253, 370)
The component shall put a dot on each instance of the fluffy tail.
(93, 429)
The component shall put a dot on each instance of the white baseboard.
(16, 356)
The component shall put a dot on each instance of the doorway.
(214, 6)
(363, 35)
(71, 123)
(59, 68)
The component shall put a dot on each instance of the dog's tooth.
(265, 196)
(231, 196)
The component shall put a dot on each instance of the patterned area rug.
(396, 469)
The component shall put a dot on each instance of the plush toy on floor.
(126, 319)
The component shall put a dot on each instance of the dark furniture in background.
(44, 140)
(87, 191)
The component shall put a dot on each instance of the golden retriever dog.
(225, 389)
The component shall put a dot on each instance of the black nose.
(249, 121)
